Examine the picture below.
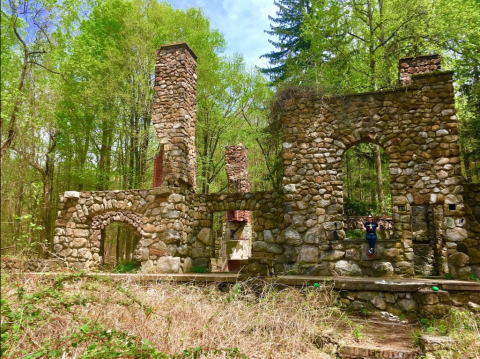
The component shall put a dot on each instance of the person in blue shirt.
(371, 236)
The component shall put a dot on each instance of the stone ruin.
(436, 214)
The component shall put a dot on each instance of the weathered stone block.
(308, 254)
(169, 264)
(382, 269)
(407, 305)
(292, 237)
(332, 255)
(204, 236)
(346, 268)
(458, 259)
(71, 194)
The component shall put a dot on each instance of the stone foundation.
(415, 304)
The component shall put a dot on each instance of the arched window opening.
(118, 246)
(366, 188)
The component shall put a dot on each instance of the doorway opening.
(232, 238)
(366, 189)
(118, 247)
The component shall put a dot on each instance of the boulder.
(379, 302)
(382, 269)
(169, 264)
(407, 305)
(429, 343)
(458, 259)
(308, 254)
(332, 255)
(347, 269)
(259, 246)
(274, 248)
(292, 237)
(268, 236)
(71, 194)
(321, 269)
(456, 234)
(170, 236)
(204, 235)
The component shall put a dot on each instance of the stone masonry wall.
(417, 128)
(159, 217)
(268, 225)
(436, 223)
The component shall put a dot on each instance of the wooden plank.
(347, 283)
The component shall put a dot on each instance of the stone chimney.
(423, 64)
(237, 175)
(174, 116)
(237, 229)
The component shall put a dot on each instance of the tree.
(287, 26)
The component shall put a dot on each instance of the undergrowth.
(460, 325)
(85, 316)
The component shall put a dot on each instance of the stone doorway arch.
(134, 221)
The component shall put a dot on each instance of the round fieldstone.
(407, 305)
(458, 259)
(382, 269)
(346, 268)
(308, 254)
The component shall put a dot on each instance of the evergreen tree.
(287, 26)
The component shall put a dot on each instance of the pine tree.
(287, 26)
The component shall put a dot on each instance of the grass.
(460, 325)
(80, 316)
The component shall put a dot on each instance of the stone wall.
(423, 303)
(435, 225)
(417, 128)
(32, 265)
(268, 225)
(159, 217)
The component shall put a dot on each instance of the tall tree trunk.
(105, 149)
(18, 102)
(48, 190)
(117, 248)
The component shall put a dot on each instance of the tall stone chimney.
(174, 116)
(237, 229)
(423, 64)
(236, 166)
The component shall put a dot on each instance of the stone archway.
(133, 220)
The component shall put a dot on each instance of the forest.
(77, 90)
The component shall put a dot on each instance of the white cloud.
(242, 22)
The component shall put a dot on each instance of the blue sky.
(242, 23)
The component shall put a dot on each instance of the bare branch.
(49, 70)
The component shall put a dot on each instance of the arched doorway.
(115, 236)
(118, 245)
